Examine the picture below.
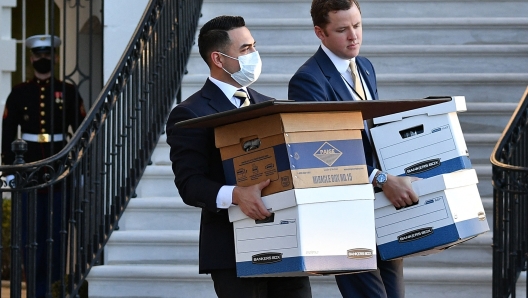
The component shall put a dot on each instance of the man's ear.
(216, 60)
(320, 33)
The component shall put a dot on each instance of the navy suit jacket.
(318, 80)
(199, 175)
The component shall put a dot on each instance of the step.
(395, 31)
(372, 8)
(396, 58)
(151, 247)
(508, 88)
(183, 281)
(159, 213)
(149, 281)
(157, 181)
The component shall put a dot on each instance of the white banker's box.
(422, 142)
(312, 231)
(449, 212)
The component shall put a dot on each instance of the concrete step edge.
(149, 204)
(145, 272)
(393, 23)
(155, 236)
(403, 78)
(520, 50)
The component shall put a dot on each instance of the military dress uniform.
(44, 117)
(40, 114)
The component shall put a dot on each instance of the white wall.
(121, 18)
(8, 50)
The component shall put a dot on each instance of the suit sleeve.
(195, 161)
(304, 86)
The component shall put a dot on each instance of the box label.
(256, 166)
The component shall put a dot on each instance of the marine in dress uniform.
(45, 109)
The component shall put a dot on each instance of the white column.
(121, 18)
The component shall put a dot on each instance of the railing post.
(19, 147)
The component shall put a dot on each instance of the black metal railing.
(510, 203)
(95, 175)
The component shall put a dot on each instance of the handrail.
(97, 172)
(509, 161)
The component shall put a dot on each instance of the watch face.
(382, 178)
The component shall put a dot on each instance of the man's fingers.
(263, 184)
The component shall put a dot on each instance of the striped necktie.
(242, 95)
(357, 80)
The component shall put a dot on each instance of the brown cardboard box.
(294, 150)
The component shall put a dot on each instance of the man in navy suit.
(329, 76)
(228, 48)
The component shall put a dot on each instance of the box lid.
(456, 104)
(262, 127)
(294, 197)
(433, 184)
(369, 109)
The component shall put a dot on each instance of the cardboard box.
(313, 231)
(422, 145)
(449, 212)
(294, 150)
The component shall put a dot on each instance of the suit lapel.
(217, 99)
(334, 77)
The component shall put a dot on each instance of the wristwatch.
(380, 178)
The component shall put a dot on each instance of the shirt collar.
(342, 65)
(228, 89)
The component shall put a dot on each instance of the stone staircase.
(474, 48)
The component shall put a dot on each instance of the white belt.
(42, 137)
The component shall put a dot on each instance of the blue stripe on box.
(440, 236)
(448, 166)
(293, 264)
(310, 155)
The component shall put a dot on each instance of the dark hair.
(321, 8)
(214, 37)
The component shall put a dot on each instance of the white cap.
(42, 43)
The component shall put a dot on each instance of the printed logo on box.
(415, 235)
(328, 154)
(267, 258)
(359, 253)
(423, 166)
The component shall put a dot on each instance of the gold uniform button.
(25, 108)
(42, 89)
(43, 130)
(60, 107)
(42, 113)
(42, 105)
(42, 96)
(42, 122)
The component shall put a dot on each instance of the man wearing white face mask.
(228, 48)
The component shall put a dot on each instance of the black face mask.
(42, 65)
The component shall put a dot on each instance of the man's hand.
(399, 191)
(249, 200)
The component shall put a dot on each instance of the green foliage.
(6, 239)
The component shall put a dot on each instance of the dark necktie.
(242, 95)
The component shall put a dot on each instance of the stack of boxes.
(318, 174)
(427, 143)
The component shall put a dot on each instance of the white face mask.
(250, 68)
